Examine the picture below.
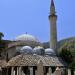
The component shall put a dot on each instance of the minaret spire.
(52, 8)
(53, 27)
(52, 3)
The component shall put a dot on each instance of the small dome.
(49, 51)
(26, 37)
(38, 50)
(26, 50)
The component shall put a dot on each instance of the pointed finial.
(52, 3)
(52, 8)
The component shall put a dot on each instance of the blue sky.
(20, 16)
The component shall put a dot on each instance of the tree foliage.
(72, 65)
(1, 35)
(66, 55)
(69, 45)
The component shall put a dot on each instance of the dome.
(27, 40)
(26, 37)
(49, 51)
(38, 50)
(26, 50)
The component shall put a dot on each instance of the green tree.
(69, 45)
(1, 42)
(72, 65)
(66, 55)
(1, 35)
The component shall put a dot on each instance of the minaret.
(53, 27)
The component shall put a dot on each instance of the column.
(69, 71)
(58, 71)
(0, 71)
(40, 68)
(12, 70)
(74, 72)
(31, 70)
(35, 72)
(19, 71)
(49, 71)
(23, 73)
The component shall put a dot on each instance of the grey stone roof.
(3, 63)
(32, 60)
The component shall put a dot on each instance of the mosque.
(26, 55)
